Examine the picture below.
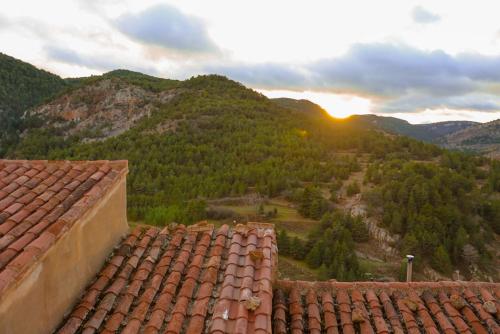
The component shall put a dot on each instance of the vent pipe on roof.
(409, 267)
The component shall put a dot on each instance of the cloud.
(266, 75)
(389, 70)
(416, 102)
(423, 16)
(167, 27)
(4, 22)
(97, 62)
(399, 77)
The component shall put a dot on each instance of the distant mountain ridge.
(440, 129)
(482, 138)
(428, 132)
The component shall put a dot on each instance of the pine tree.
(283, 242)
(323, 273)
(297, 249)
(441, 260)
(314, 257)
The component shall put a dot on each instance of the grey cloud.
(422, 15)
(26, 25)
(416, 102)
(401, 77)
(480, 67)
(267, 75)
(97, 62)
(385, 69)
(3, 21)
(166, 26)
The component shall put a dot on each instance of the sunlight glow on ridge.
(337, 105)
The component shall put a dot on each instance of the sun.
(341, 105)
(337, 105)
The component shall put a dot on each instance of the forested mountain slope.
(212, 138)
(431, 132)
(21, 86)
(484, 138)
(441, 129)
(208, 137)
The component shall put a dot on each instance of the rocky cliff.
(103, 109)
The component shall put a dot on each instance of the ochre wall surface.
(39, 301)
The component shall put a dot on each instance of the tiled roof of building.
(39, 201)
(418, 307)
(182, 280)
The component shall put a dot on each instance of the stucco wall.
(40, 300)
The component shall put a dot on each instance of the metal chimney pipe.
(409, 266)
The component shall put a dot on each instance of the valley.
(349, 198)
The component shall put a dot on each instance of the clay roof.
(39, 201)
(197, 279)
(430, 307)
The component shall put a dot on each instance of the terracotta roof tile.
(367, 307)
(39, 201)
(173, 281)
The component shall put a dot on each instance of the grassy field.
(295, 270)
(287, 217)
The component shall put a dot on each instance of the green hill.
(21, 86)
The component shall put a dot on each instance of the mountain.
(484, 138)
(457, 135)
(428, 132)
(104, 106)
(24, 85)
(210, 138)
(441, 129)
(392, 125)
(21, 86)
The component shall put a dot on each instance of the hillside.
(441, 129)
(484, 138)
(99, 108)
(305, 106)
(391, 125)
(207, 140)
(21, 86)
(431, 132)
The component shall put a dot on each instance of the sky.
(423, 61)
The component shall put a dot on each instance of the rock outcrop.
(103, 109)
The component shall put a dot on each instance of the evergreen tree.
(441, 260)
(314, 257)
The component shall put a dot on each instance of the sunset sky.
(422, 61)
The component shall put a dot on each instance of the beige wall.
(40, 301)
